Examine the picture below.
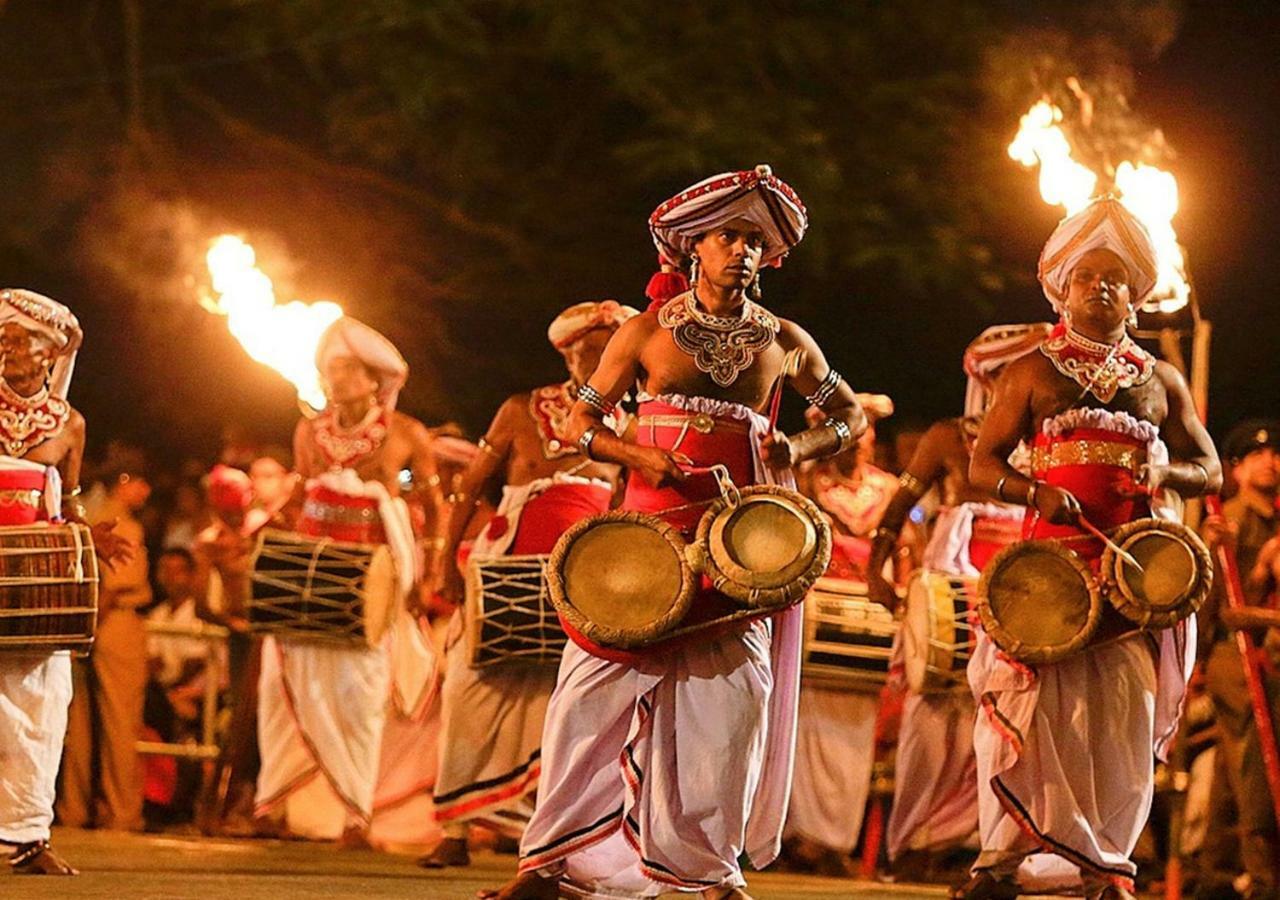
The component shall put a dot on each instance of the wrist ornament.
(844, 435)
(594, 399)
(912, 485)
(584, 442)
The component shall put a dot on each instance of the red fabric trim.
(518, 788)
(581, 843)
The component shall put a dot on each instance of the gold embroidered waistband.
(1088, 453)
(339, 515)
(28, 497)
(700, 422)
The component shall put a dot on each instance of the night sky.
(1214, 92)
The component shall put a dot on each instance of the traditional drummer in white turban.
(42, 442)
(492, 712)
(324, 713)
(1089, 391)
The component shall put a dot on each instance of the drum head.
(380, 589)
(621, 579)
(1038, 602)
(767, 550)
(1175, 578)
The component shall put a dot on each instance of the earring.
(1133, 316)
(693, 270)
(754, 290)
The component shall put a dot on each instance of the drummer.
(491, 717)
(1065, 750)
(659, 775)
(43, 436)
(322, 707)
(836, 730)
(935, 810)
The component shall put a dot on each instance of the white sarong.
(35, 692)
(659, 776)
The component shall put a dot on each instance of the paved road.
(155, 867)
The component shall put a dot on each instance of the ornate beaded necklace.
(550, 406)
(721, 346)
(1100, 369)
(343, 446)
(26, 422)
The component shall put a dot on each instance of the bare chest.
(537, 455)
(1056, 394)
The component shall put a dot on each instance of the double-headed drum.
(48, 587)
(1039, 601)
(848, 638)
(621, 579)
(508, 616)
(937, 631)
(765, 546)
(318, 589)
(1176, 574)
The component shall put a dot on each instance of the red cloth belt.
(549, 515)
(730, 446)
(849, 557)
(990, 536)
(342, 517)
(21, 496)
(1096, 485)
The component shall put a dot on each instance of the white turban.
(756, 195)
(53, 324)
(580, 318)
(990, 352)
(352, 338)
(1104, 223)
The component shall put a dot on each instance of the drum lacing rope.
(729, 492)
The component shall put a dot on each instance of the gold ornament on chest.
(721, 346)
(26, 422)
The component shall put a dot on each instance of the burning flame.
(283, 336)
(1150, 193)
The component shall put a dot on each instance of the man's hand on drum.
(110, 547)
(881, 591)
(1056, 505)
(778, 451)
(661, 468)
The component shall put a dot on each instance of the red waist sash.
(549, 515)
(21, 496)
(990, 536)
(849, 557)
(1094, 465)
(706, 440)
(328, 513)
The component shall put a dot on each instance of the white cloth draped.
(658, 776)
(35, 692)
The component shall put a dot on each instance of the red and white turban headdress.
(577, 320)
(756, 195)
(51, 323)
(351, 337)
(990, 352)
(1108, 224)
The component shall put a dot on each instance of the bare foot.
(355, 838)
(38, 858)
(529, 886)
(449, 852)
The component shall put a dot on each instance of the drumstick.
(1250, 617)
(1116, 548)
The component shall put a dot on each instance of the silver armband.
(826, 388)
(844, 435)
(584, 442)
(593, 398)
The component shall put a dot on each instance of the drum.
(848, 639)
(48, 588)
(508, 616)
(1039, 601)
(621, 578)
(937, 632)
(765, 546)
(319, 589)
(1176, 576)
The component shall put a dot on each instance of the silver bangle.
(593, 398)
(584, 442)
(825, 389)
(1000, 488)
(1204, 474)
(844, 435)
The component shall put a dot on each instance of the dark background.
(456, 172)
